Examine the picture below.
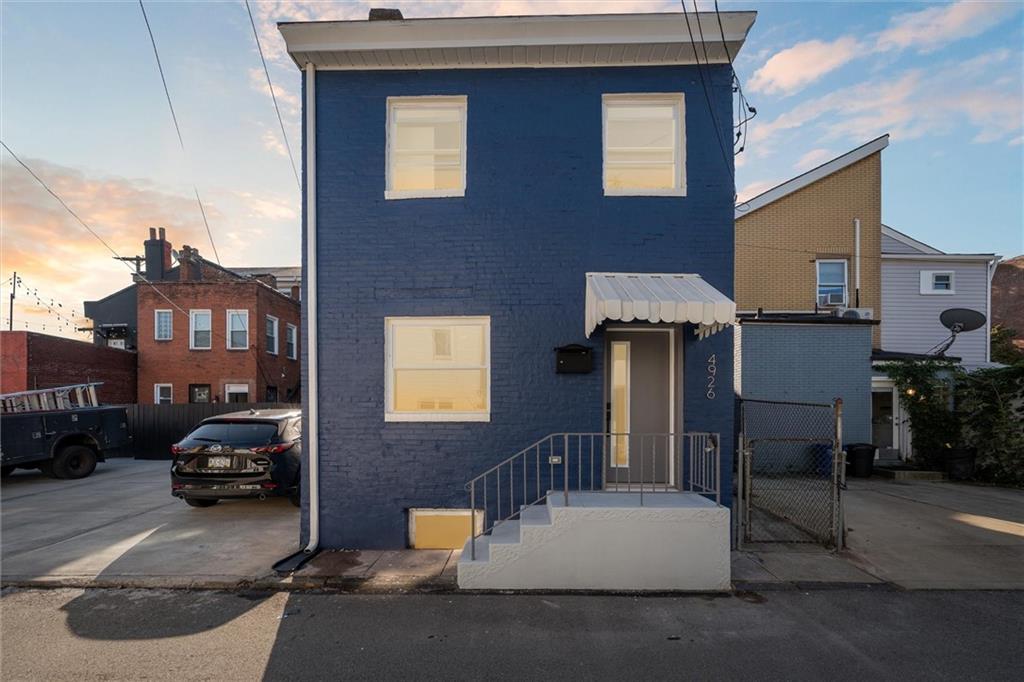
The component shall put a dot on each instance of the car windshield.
(237, 434)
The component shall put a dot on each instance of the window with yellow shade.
(644, 145)
(438, 368)
(426, 147)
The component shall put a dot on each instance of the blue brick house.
(478, 193)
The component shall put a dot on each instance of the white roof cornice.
(510, 42)
(812, 176)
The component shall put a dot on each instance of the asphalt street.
(868, 633)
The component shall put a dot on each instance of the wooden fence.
(154, 428)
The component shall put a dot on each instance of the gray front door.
(638, 387)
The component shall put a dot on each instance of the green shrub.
(990, 403)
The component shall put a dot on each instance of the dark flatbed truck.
(62, 431)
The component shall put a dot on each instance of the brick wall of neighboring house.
(174, 362)
(32, 361)
(809, 363)
(1008, 297)
(776, 245)
(278, 370)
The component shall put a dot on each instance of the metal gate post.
(838, 476)
(740, 490)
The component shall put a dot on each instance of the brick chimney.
(188, 265)
(296, 292)
(158, 255)
(267, 279)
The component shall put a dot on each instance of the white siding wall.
(890, 245)
(910, 319)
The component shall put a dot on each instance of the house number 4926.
(712, 370)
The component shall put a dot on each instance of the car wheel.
(74, 461)
(6, 470)
(200, 502)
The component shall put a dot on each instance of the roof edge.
(810, 177)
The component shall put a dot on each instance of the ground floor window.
(236, 393)
(271, 394)
(199, 393)
(438, 368)
(163, 394)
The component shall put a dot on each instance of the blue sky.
(81, 101)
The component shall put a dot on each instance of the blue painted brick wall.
(516, 247)
(813, 363)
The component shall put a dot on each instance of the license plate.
(218, 462)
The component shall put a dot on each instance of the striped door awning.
(626, 296)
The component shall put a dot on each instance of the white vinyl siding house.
(913, 296)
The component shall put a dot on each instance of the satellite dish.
(958, 320)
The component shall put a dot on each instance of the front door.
(638, 413)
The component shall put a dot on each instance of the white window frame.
(676, 99)
(846, 280)
(928, 283)
(277, 334)
(390, 324)
(236, 388)
(227, 322)
(291, 335)
(192, 329)
(395, 103)
(156, 394)
(156, 324)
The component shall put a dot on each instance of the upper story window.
(831, 282)
(200, 329)
(438, 368)
(426, 154)
(644, 145)
(238, 329)
(271, 334)
(291, 342)
(163, 325)
(937, 282)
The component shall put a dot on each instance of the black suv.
(238, 455)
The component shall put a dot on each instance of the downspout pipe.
(856, 261)
(311, 446)
(313, 327)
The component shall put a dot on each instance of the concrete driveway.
(121, 526)
(936, 535)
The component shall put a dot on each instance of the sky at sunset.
(81, 102)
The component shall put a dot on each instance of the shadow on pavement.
(154, 614)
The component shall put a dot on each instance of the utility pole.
(10, 310)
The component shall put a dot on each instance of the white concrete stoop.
(606, 541)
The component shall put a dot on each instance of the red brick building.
(212, 335)
(29, 361)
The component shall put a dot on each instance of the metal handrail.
(686, 461)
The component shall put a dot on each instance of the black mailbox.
(574, 359)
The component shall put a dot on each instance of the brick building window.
(236, 393)
(163, 394)
(438, 368)
(644, 145)
(272, 334)
(238, 329)
(200, 329)
(291, 340)
(831, 282)
(426, 152)
(163, 325)
(199, 393)
(271, 394)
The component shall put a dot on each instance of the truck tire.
(74, 461)
(7, 470)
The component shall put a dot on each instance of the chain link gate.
(791, 471)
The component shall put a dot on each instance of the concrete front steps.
(605, 541)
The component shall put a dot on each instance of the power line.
(177, 128)
(741, 99)
(273, 96)
(707, 95)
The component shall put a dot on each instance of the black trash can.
(860, 459)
